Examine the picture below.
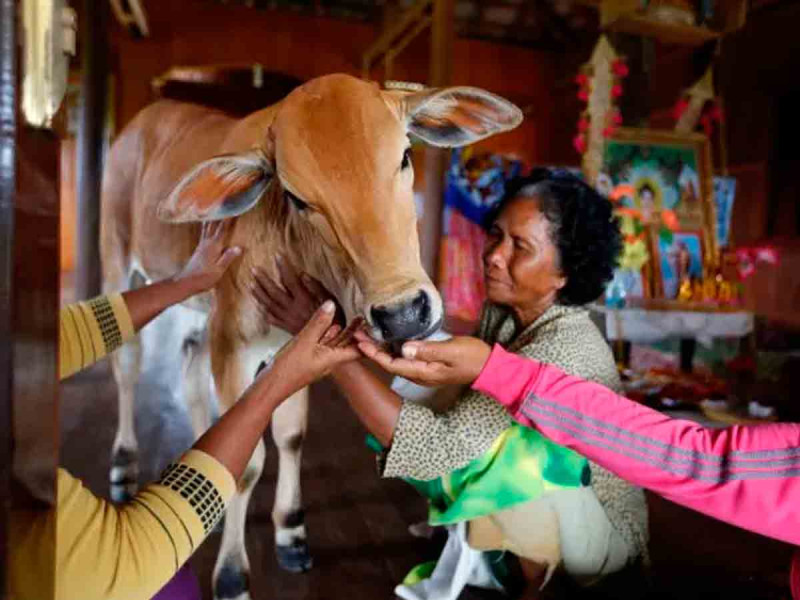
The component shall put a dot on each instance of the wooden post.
(441, 69)
(94, 78)
(29, 301)
(8, 127)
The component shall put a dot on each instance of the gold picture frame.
(668, 170)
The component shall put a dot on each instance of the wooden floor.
(357, 523)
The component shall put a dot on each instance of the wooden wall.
(756, 76)
(187, 32)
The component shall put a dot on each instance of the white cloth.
(566, 528)
(643, 326)
(458, 566)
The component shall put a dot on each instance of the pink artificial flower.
(582, 79)
(583, 125)
(583, 94)
(616, 91)
(767, 254)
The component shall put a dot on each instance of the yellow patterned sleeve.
(126, 552)
(90, 330)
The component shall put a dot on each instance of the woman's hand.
(317, 349)
(205, 268)
(455, 361)
(210, 260)
(289, 307)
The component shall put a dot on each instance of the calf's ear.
(458, 116)
(219, 188)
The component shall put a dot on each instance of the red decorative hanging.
(680, 107)
(579, 143)
(620, 68)
(613, 119)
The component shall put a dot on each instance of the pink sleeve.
(745, 475)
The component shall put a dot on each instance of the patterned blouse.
(429, 444)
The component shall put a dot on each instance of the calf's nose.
(404, 320)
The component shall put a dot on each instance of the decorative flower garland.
(613, 117)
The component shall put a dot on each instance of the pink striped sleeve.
(745, 475)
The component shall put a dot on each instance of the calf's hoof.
(232, 583)
(124, 476)
(295, 557)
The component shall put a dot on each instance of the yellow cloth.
(127, 552)
(90, 330)
(103, 551)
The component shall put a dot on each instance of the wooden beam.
(421, 26)
(436, 159)
(29, 302)
(92, 116)
(8, 128)
(443, 36)
(388, 37)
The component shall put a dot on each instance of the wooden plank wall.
(201, 32)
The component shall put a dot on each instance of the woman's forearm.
(376, 406)
(146, 303)
(233, 438)
(744, 475)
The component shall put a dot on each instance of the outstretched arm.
(92, 329)
(744, 475)
(130, 551)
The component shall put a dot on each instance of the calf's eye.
(298, 204)
(406, 159)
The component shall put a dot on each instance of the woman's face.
(521, 263)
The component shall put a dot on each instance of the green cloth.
(521, 466)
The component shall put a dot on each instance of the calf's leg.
(126, 366)
(288, 430)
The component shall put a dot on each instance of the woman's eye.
(298, 204)
(520, 247)
(406, 159)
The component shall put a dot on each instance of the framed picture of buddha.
(671, 177)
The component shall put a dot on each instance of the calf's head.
(331, 171)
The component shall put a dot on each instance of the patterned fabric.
(197, 490)
(427, 445)
(109, 327)
(107, 551)
(90, 330)
(520, 466)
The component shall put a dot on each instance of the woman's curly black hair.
(582, 227)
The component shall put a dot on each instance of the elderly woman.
(552, 247)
